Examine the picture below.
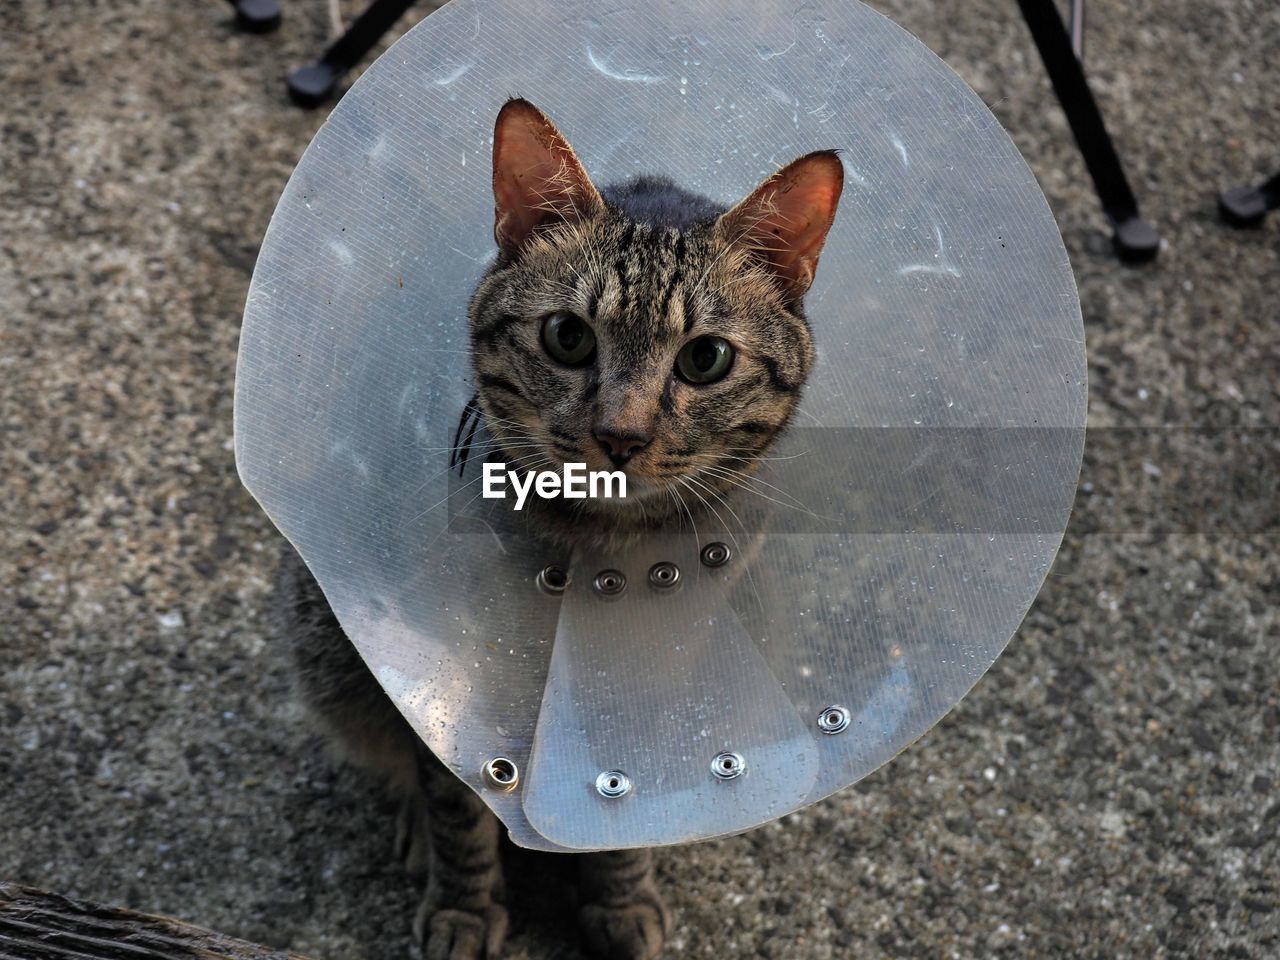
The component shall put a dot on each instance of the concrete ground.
(1110, 789)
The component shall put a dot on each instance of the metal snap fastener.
(613, 784)
(664, 575)
(833, 719)
(501, 774)
(610, 582)
(716, 554)
(728, 765)
(552, 580)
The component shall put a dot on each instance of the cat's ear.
(785, 220)
(537, 179)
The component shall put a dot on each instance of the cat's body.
(445, 831)
(640, 327)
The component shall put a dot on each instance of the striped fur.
(649, 266)
(646, 290)
(445, 830)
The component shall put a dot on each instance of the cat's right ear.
(785, 221)
(537, 179)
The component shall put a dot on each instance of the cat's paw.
(461, 934)
(635, 930)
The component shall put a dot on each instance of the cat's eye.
(704, 360)
(568, 338)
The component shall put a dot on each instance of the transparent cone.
(881, 561)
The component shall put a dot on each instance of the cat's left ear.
(785, 220)
(537, 179)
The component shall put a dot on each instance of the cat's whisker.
(697, 542)
(723, 465)
(561, 294)
(672, 497)
(595, 263)
(732, 282)
(445, 528)
(513, 442)
(687, 481)
(522, 462)
(452, 493)
(455, 448)
(755, 459)
(439, 473)
(429, 480)
(742, 479)
(535, 465)
(526, 445)
(502, 432)
(497, 438)
(707, 272)
(502, 423)
(716, 457)
(811, 416)
(583, 285)
(494, 418)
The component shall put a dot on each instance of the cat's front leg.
(622, 915)
(412, 845)
(462, 915)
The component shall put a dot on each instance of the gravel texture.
(1108, 790)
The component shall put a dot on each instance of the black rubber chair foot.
(1135, 240)
(1242, 206)
(312, 85)
(257, 16)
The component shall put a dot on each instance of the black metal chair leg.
(313, 84)
(257, 16)
(1247, 206)
(1135, 239)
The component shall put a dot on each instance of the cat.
(639, 327)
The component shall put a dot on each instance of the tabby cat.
(638, 327)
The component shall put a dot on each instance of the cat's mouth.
(660, 480)
(657, 486)
(641, 482)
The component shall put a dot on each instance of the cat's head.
(643, 328)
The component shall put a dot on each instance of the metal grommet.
(716, 554)
(501, 774)
(610, 582)
(728, 765)
(833, 719)
(613, 784)
(664, 575)
(552, 580)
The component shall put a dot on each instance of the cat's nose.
(621, 447)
